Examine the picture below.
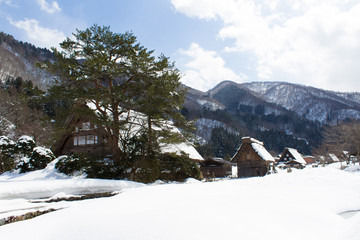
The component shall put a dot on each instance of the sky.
(310, 42)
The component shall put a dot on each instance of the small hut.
(252, 158)
(216, 167)
(292, 158)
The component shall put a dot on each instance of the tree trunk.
(150, 137)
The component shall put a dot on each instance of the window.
(85, 140)
(91, 139)
(82, 140)
(76, 141)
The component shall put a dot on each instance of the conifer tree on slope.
(116, 74)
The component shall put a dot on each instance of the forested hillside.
(18, 59)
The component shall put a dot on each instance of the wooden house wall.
(69, 147)
(294, 164)
(216, 171)
(249, 162)
(212, 171)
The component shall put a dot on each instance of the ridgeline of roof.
(297, 156)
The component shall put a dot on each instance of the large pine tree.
(115, 74)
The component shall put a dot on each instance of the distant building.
(292, 158)
(309, 159)
(349, 157)
(216, 167)
(346, 156)
(331, 158)
(252, 158)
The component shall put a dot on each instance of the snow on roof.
(333, 157)
(297, 156)
(136, 121)
(261, 151)
(182, 147)
(253, 140)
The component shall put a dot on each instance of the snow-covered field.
(304, 204)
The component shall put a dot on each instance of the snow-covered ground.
(303, 204)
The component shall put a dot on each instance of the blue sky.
(310, 42)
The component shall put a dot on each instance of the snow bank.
(352, 168)
(303, 204)
(48, 182)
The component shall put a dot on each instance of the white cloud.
(49, 8)
(40, 36)
(9, 3)
(313, 42)
(205, 68)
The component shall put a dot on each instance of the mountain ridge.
(325, 106)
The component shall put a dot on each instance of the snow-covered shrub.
(95, 166)
(70, 165)
(167, 167)
(23, 155)
(25, 145)
(39, 158)
(23, 164)
(7, 150)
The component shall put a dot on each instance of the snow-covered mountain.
(18, 59)
(312, 103)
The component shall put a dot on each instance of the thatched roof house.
(252, 158)
(292, 158)
(83, 136)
